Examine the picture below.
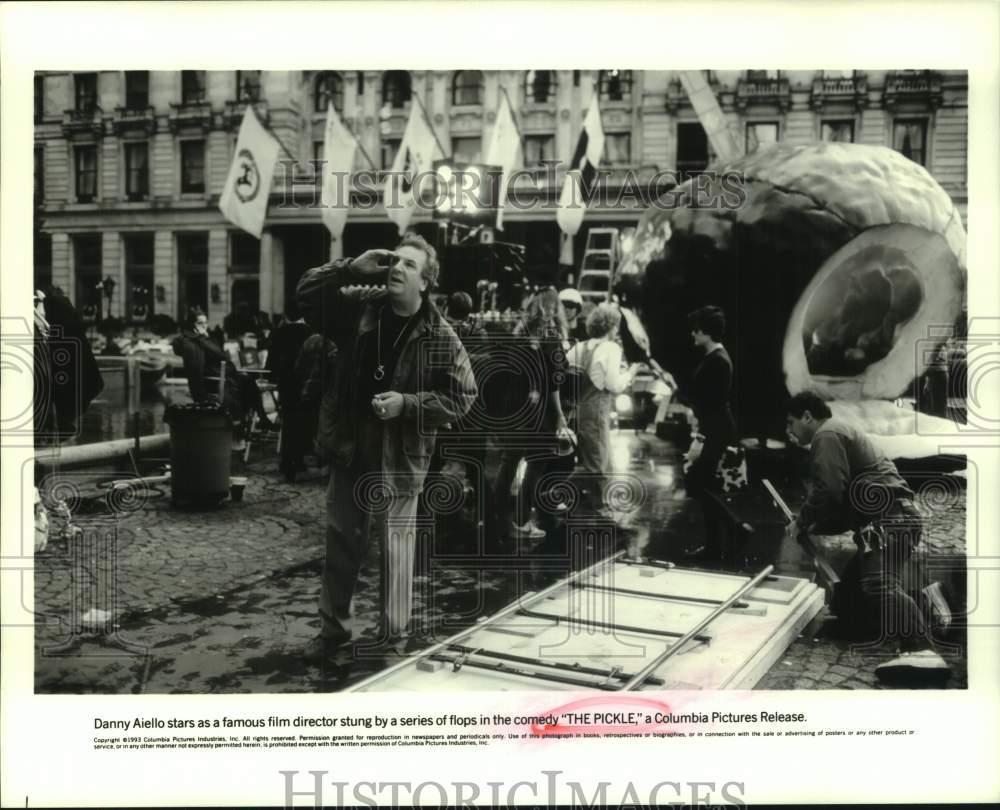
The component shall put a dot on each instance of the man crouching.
(856, 488)
(400, 374)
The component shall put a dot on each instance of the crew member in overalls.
(400, 374)
(856, 488)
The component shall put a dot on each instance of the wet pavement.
(225, 600)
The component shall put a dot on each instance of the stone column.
(218, 266)
(164, 273)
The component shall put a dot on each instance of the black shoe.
(323, 648)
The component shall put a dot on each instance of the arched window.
(540, 86)
(329, 87)
(396, 88)
(615, 85)
(467, 88)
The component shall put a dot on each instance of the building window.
(137, 170)
(615, 85)
(467, 88)
(192, 86)
(192, 167)
(85, 85)
(329, 87)
(139, 298)
(618, 148)
(136, 89)
(244, 253)
(840, 131)
(248, 85)
(763, 75)
(39, 99)
(692, 150)
(360, 78)
(761, 133)
(538, 148)
(192, 272)
(87, 273)
(466, 150)
(390, 146)
(85, 157)
(540, 85)
(396, 88)
(39, 174)
(909, 138)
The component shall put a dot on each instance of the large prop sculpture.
(840, 268)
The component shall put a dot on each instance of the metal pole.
(675, 648)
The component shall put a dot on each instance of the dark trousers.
(881, 580)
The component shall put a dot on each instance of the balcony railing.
(86, 120)
(191, 114)
(235, 110)
(839, 89)
(763, 91)
(921, 87)
(133, 118)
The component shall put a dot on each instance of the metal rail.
(574, 667)
(630, 592)
(671, 651)
(646, 631)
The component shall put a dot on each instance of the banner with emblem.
(244, 197)
(415, 156)
(339, 147)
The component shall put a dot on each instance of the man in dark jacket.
(854, 487)
(400, 373)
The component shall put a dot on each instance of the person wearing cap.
(576, 327)
(400, 373)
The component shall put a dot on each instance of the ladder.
(601, 251)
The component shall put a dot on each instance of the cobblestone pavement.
(224, 600)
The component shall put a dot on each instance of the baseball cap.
(571, 296)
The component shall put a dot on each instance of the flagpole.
(358, 144)
(270, 131)
(430, 125)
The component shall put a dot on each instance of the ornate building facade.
(129, 165)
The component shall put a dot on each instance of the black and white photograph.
(318, 429)
(657, 377)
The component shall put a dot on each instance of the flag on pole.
(415, 156)
(502, 151)
(582, 173)
(244, 197)
(339, 147)
(710, 114)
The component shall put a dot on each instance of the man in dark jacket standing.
(400, 374)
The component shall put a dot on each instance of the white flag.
(502, 150)
(582, 173)
(339, 147)
(244, 197)
(415, 156)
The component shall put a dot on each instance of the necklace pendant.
(379, 373)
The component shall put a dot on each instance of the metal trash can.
(201, 442)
